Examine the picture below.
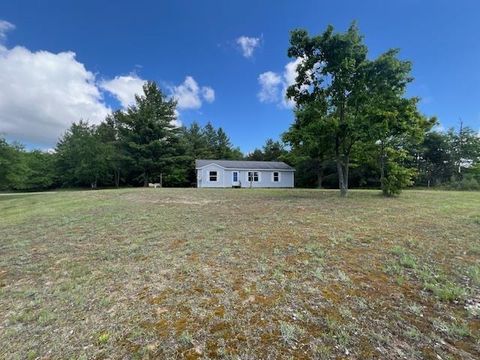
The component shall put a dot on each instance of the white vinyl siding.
(225, 178)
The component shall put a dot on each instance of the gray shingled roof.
(245, 164)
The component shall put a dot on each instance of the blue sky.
(168, 41)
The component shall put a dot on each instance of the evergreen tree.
(80, 157)
(147, 135)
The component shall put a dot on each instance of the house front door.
(235, 178)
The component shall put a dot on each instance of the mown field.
(239, 274)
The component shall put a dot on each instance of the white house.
(232, 173)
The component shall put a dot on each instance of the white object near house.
(245, 174)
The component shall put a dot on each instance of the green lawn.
(239, 274)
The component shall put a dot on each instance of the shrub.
(468, 183)
(398, 178)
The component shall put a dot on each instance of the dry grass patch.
(239, 274)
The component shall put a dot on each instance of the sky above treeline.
(224, 61)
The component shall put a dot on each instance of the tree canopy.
(345, 101)
(353, 126)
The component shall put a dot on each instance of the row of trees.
(138, 146)
(352, 115)
(449, 158)
(353, 125)
(446, 159)
(130, 147)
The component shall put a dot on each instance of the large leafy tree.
(12, 168)
(147, 134)
(309, 141)
(447, 157)
(394, 121)
(346, 101)
(434, 159)
(25, 170)
(332, 75)
(40, 170)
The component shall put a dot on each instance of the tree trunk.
(342, 158)
(320, 178)
(382, 169)
(345, 176)
(116, 177)
(145, 179)
(342, 170)
(93, 184)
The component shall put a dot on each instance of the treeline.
(353, 111)
(447, 160)
(91, 156)
(130, 148)
(354, 126)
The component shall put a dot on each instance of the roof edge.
(286, 167)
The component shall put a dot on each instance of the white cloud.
(189, 94)
(248, 45)
(42, 93)
(5, 27)
(290, 74)
(208, 94)
(270, 84)
(273, 86)
(177, 122)
(124, 88)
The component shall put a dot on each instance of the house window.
(253, 176)
(212, 175)
(276, 176)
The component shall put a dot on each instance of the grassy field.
(239, 274)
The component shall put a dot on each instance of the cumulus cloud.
(189, 94)
(42, 93)
(248, 45)
(270, 84)
(124, 88)
(273, 86)
(208, 94)
(5, 27)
